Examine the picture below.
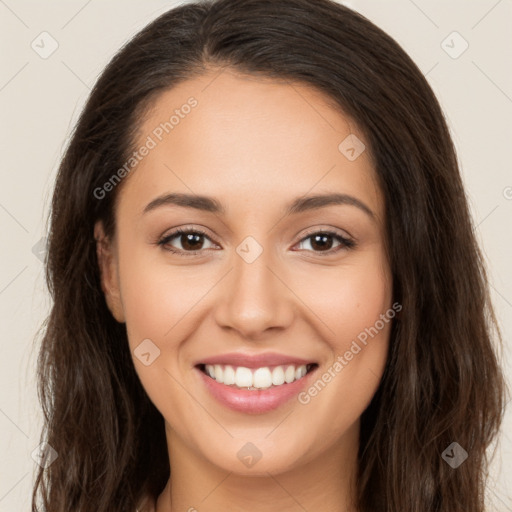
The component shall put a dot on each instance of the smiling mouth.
(266, 377)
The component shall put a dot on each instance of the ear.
(108, 267)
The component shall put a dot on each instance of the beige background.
(40, 100)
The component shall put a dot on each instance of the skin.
(255, 145)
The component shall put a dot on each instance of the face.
(263, 278)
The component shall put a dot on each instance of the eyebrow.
(299, 205)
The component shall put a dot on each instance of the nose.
(255, 298)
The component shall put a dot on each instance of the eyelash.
(345, 242)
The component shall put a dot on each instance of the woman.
(267, 291)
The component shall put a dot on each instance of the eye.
(189, 239)
(192, 240)
(323, 241)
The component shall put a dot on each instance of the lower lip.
(255, 401)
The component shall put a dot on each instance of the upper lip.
(255, 360)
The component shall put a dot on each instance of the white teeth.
(262, 378)
(278, 376)
(229, 375)
(289, 374)
(259, 378)
(300, 372)
(243, 377)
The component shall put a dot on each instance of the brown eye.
(323, 241)
(191, 241)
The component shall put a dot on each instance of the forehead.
(243, 138)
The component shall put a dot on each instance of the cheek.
(344, 304)
(353, 308)
(156, 298)
(347, 299)
(159, 302)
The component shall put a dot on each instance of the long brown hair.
(442, 382)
